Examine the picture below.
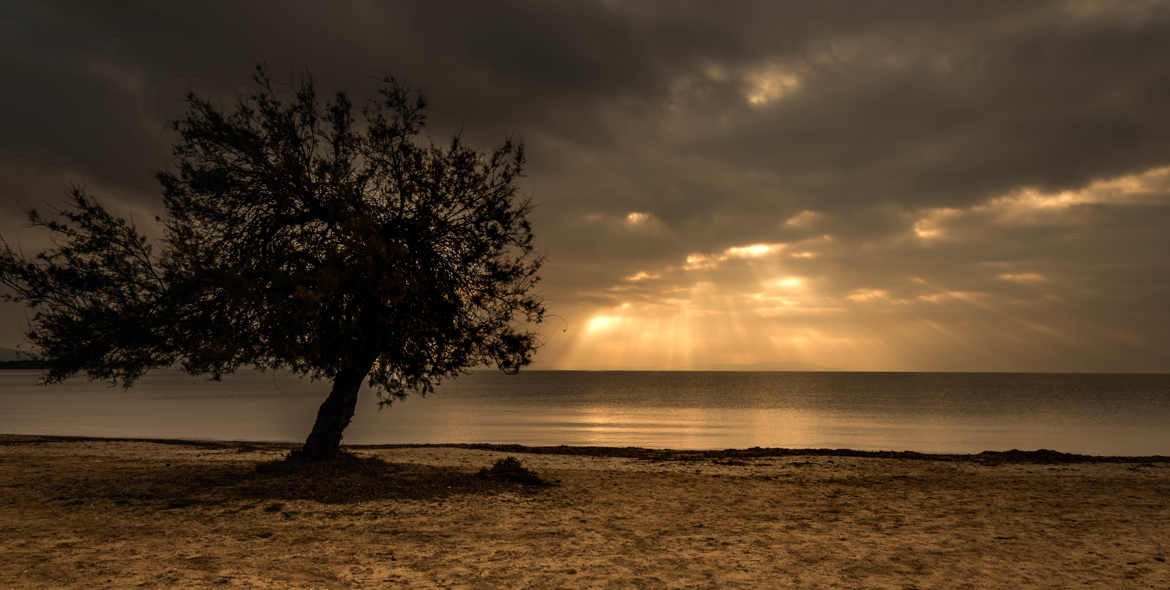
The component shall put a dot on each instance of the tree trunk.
(335, 413)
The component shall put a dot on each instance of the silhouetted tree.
(297, 237)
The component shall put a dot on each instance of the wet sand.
(118, 514)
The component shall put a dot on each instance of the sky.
(901, 186)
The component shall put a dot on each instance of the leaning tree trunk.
(335, 413)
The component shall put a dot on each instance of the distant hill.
(771, 366)
(10, 358)
(11, 354)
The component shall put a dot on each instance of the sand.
(125, 514)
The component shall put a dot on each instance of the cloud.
(803, 219)
(707, 150)
(1030, 206)
(752, 250)
(770, 84)
(642, 276)
(1024, 277)
(867, 295)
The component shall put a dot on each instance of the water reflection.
(1120, 414)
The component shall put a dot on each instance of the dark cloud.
(720, 122)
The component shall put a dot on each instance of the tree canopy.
(299, 236)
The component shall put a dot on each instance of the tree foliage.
(297, 235)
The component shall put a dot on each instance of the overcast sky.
(844, 185)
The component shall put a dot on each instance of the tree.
(297, 237)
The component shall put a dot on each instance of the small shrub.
(510, 469)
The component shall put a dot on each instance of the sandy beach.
(122, 514)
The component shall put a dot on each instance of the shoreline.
(85, 512)
(1038, 456)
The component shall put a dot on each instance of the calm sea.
(930, 412)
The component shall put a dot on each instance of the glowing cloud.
(1024, 277)
(864, 295)
(802, 219)
(752, 250)
(930, 226)
(1121, 190)
(698, 262)
(1030, 205)
(637, 218)
(642, 276)
(769, 84)
(632, 221)
(974, 297)
(786, 283)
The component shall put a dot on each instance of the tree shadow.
(354, 478)
(348, 479)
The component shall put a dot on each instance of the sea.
(1099, 414)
